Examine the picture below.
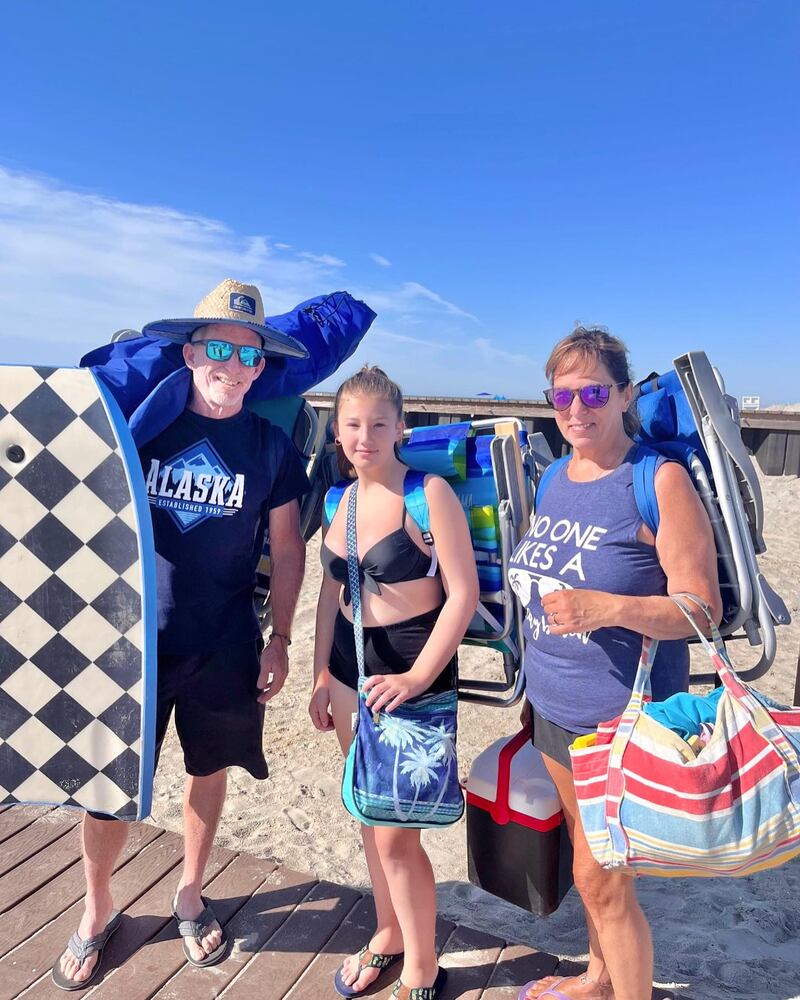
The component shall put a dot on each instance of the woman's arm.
(460, 579)
(687, 553)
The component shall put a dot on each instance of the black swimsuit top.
(394, 559)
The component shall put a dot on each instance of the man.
(216, 477)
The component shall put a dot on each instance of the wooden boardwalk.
(290, 930)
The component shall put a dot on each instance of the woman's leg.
(388, 938)
(412, 889)
(620, 944)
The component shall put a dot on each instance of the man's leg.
(202, 806)
(103, 841)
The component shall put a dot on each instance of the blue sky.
(483, 175)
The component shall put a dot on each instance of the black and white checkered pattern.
(71, 635)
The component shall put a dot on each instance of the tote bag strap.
(355, 583)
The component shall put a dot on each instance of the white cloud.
(489, 352)
(75, 266)
(411, 295)
(381, 260)
(325, 259)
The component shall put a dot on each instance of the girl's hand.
(319, 708)
(386, 691)
(578, 610)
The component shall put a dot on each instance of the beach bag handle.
(720, 659)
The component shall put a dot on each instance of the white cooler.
(517, 843)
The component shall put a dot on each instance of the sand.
(715, 939)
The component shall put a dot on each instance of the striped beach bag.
(650, 805)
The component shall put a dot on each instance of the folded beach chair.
(489, 465)
(686, 415)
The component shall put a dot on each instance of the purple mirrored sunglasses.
(593, 396)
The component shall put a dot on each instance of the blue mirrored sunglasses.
(593, 396)
(222, 350)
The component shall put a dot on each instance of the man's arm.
(287, 563)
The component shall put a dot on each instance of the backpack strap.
(417, 503)
(548, 475)
(332, 500)
(645, 463)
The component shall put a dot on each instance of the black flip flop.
(83, 948)
(196, 929)
(366, 960)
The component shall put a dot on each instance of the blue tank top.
(584, 536)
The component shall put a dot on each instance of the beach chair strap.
(414, 498)
(644, 484)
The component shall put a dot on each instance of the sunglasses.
(593, 396)
(221, 350)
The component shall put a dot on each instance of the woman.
(416, 605)
(594, 580)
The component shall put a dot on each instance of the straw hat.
(230, 302)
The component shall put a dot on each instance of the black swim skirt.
(551, 740)
(388, 649)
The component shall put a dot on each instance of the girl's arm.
(687, 553)
(460, 579)
(327, 609)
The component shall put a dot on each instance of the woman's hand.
(387, 691)
(578, 610)
(319, 708)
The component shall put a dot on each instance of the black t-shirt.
(211, 485)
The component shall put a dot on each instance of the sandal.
(83, 948)
(197, 929)
(366, 960)
(605, 989)
(403, 992)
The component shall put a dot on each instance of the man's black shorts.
(218, 719)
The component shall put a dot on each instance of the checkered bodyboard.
(77, 639)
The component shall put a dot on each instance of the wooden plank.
(38, 909)
(352, 934)
(33, 838)
(38, 870)
(16, 819)
(289, 952)
(469, 957)
(271, 903)
(516, 966)
(34, 959)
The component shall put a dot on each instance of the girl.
(416, 606)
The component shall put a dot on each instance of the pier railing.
(772, 436)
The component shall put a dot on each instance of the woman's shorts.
(551, 740)
(388, 649)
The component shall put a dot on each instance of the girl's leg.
(412, 888)
(387, 939)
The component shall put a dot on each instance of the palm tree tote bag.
(401, 769)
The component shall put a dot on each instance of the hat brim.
(181, 330)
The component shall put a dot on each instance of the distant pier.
(772, 436)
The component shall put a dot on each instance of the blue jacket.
(150, 382)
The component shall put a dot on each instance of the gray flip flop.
(83, 948)
(196, 929)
